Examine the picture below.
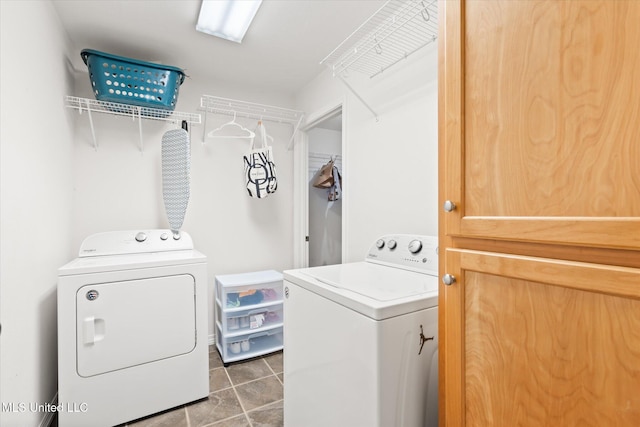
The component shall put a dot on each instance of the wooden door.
(539, 104)
(540, 154)
(537, 345)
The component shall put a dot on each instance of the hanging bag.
(325, 178)
(259, 168)
(335, 191)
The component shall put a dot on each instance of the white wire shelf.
(397, 30)
(252, 110)
(132, 111)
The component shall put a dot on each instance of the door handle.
(89, 330)
(448, 279)
(92, 330)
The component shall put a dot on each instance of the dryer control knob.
(164, 236)
(380, 244)
(392, 244)
(415, 246)
(141, 237)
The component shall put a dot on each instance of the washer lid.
(372, 281)
(374, 290)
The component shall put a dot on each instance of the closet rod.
(251, 110)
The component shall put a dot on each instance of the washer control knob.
(415, 246)
(141, 237)
(380, 244)
(392, 244)
(164, 236)
(176, 235)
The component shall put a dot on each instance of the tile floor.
(245, 394)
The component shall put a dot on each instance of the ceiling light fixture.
(227, 19)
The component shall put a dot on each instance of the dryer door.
(129, 323)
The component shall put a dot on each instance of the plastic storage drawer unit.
(249, 314)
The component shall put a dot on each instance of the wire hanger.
(248, 134)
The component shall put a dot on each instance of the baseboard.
(49, 416)
(212, 340)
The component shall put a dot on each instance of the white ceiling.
(280, 52)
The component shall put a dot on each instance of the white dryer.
(361, 339)
(132, 328)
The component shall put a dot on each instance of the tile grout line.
(243, 383)
(269, 366)
(186, 415)
(233, 386)
(274, 372)
(268, 404)
(215, 423)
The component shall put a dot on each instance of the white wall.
(390, 166)
(119, 188)
(35, 207)
(56, 189)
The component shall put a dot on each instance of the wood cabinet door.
(540, 120)
(543, 342)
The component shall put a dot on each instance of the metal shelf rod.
(251, 110)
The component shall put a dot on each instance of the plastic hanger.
(248, 133)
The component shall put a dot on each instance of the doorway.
(325, 204)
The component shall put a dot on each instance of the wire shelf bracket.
(133, 111)
(394, 32)
(252, 110)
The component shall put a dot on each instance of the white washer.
(132, 328)
(361, 339)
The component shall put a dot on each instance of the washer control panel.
(134, 241)
(413, 252)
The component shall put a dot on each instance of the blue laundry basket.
(129, 81)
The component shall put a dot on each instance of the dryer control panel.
(133, 242)
(407, 251)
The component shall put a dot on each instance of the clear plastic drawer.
(245, 346)
(243, 321)
(238, 291)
